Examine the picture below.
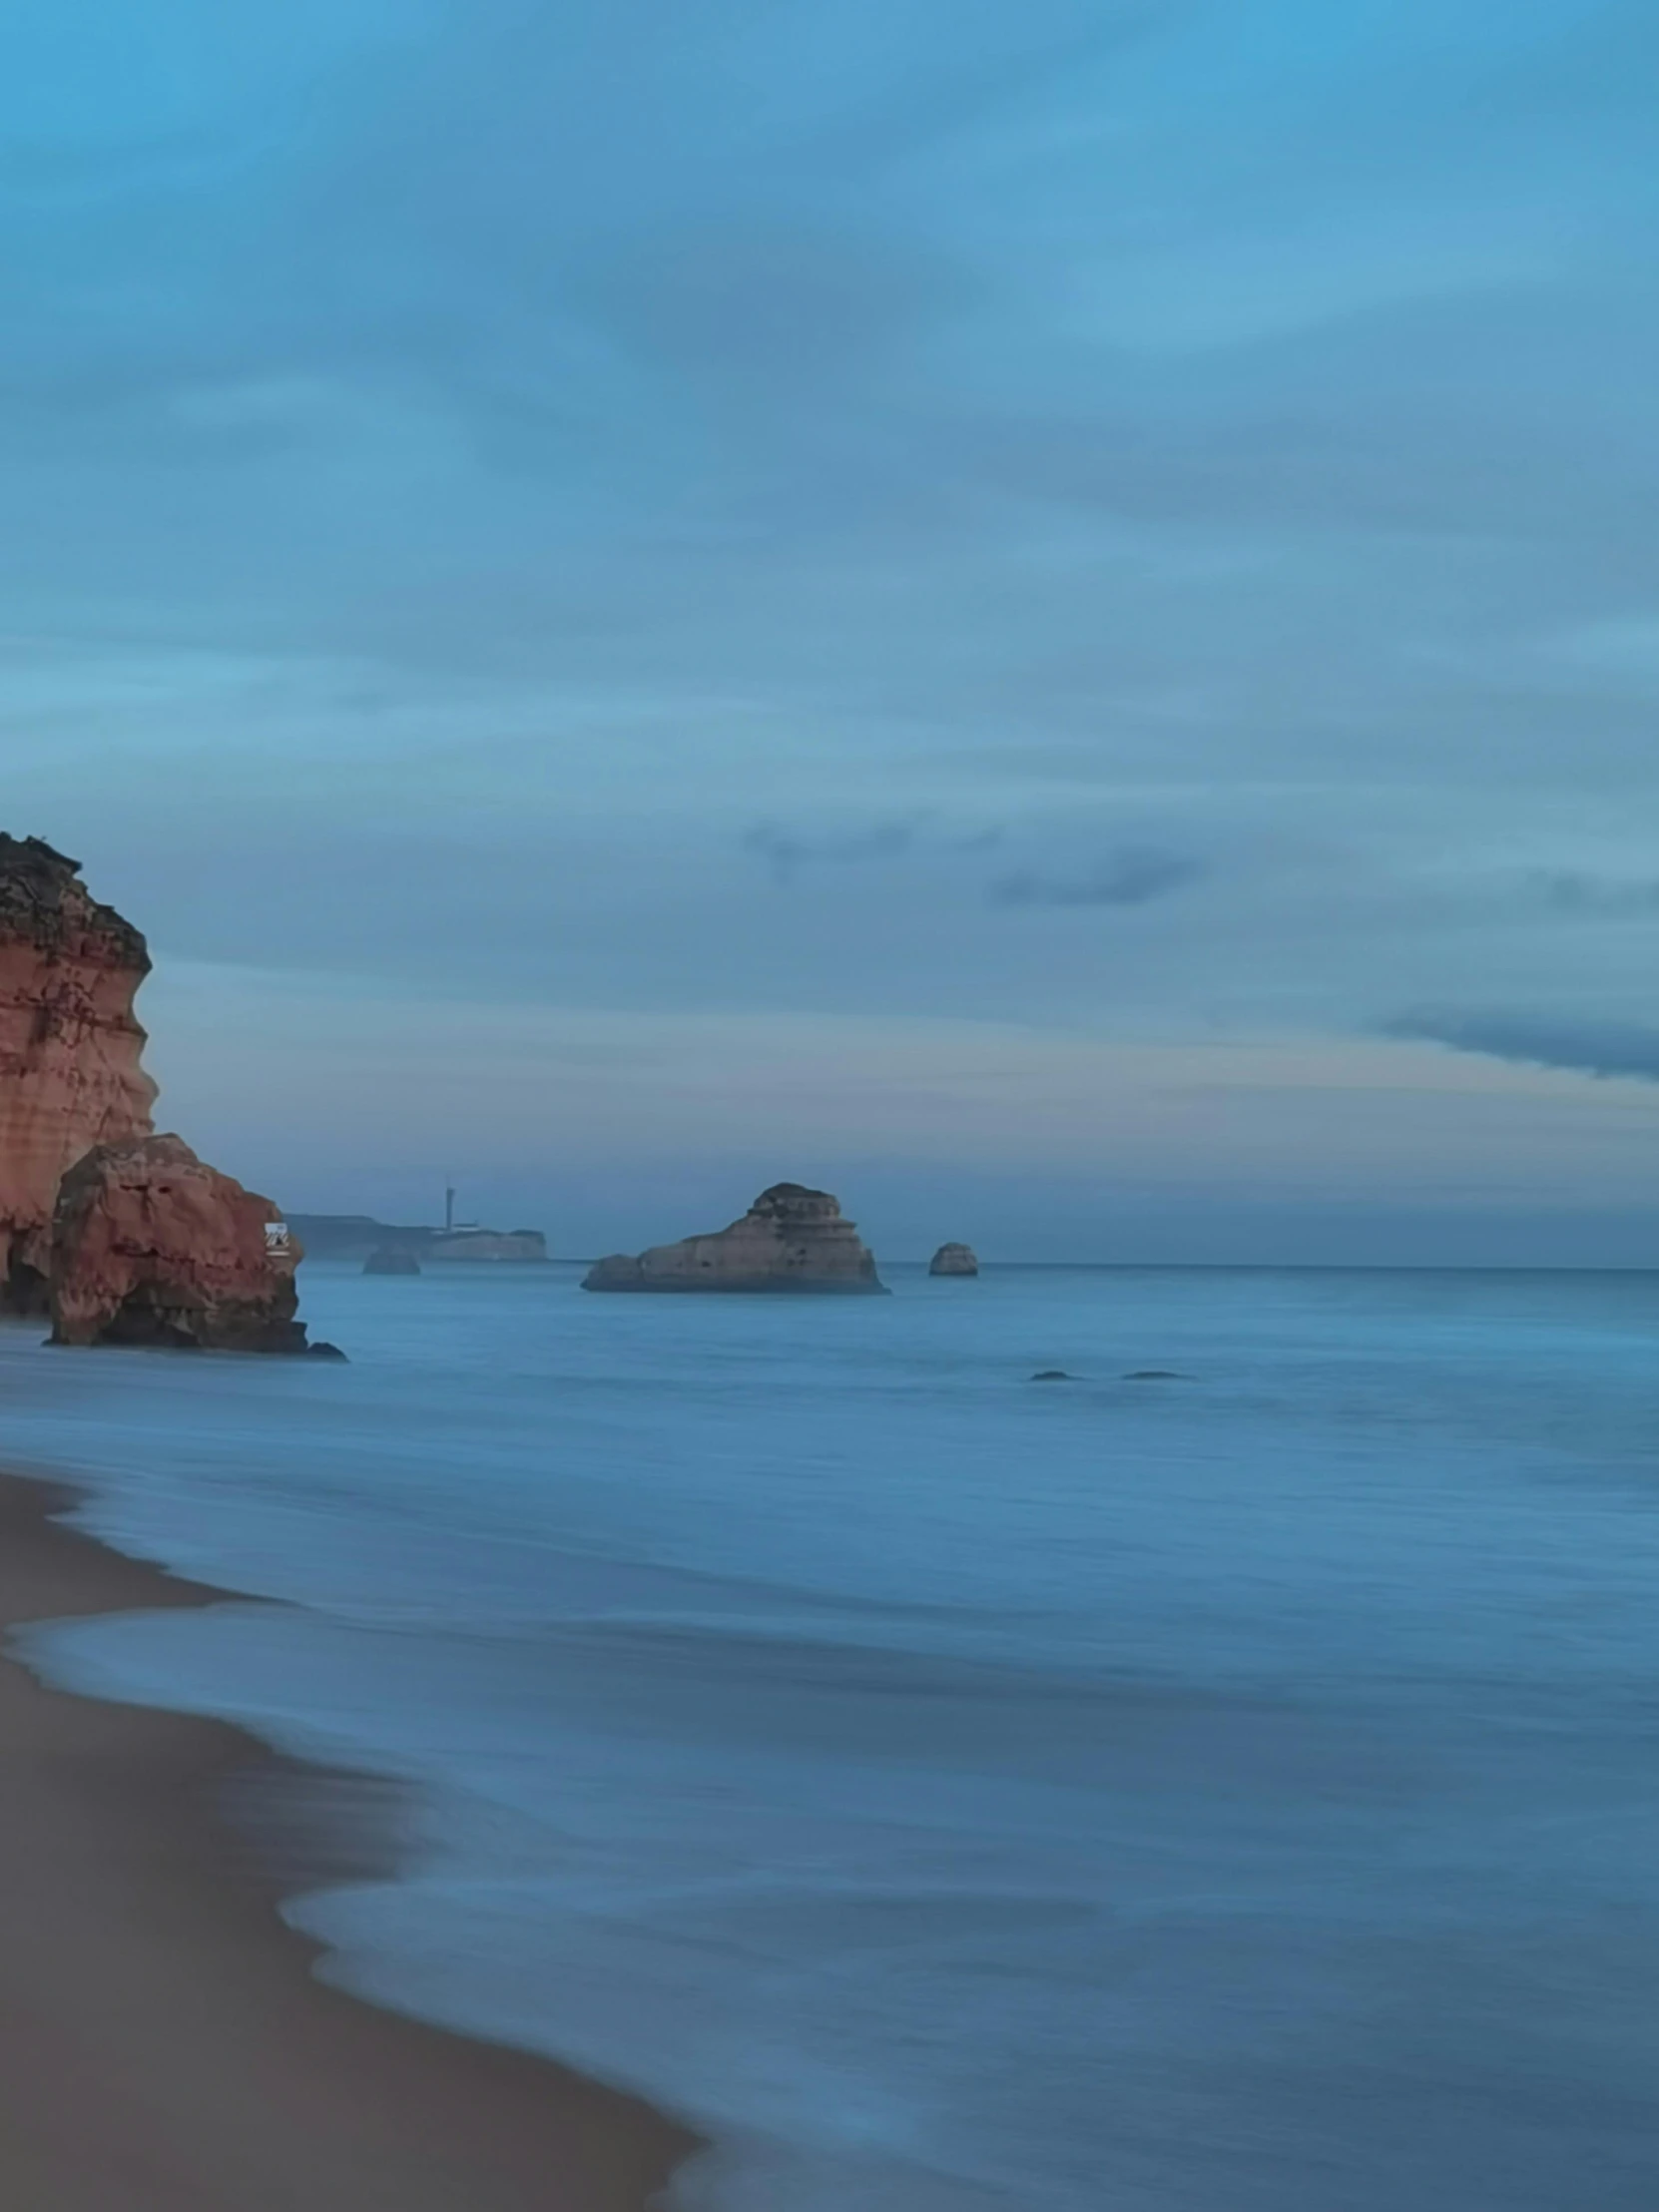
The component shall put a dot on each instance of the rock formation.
(790, 1239)
(70, 1048)
(123, 1237)
(955, 1259)
(391, 1259)
(150, 1247)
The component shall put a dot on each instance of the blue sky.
(1047, 614)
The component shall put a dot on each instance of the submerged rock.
(152, 1246)
(390, 1260)
(71, 1073)
(955, 1259)
(790, 1239)
(1053, 1374)
(1154, 1374)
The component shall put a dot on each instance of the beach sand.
(163, 2045)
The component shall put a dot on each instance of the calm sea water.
(1238, 1794)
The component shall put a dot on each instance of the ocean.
(952, 1793)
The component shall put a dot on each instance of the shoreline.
(163, 2043)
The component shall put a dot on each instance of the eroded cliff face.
(71, 1048)
(152, 1246)
(790, 1239)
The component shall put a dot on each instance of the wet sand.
(163, 2045)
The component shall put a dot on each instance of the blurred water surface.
(1237, 1793)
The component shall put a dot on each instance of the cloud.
(1134, 875)
(1590, 1047)
(1571, 891)
(787, 852)
(770, 302)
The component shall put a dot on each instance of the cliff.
(152, 1246)
(70, 1048)
(357, 1236)
(790, 1239)
(124, 1237)
(955, 1259)
(511, 1245)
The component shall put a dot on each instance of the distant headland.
(357, 1236)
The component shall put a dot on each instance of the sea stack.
(152, 1246)
(955, 1259)
(69, 1049)
(790, 1239)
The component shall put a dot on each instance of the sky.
(1046, 615)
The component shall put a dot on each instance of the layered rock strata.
(790, 1239)
(152, 1246)
(70, 1048)
(955, 1259)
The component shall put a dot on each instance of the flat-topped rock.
(150, 1245)
(955, 1259)
(790, 1239)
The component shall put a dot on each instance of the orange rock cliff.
(150, 1247)
(123, 1235)
(69, 1049)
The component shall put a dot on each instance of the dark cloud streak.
(1604, 1049)
(1570, 891)
(1134, 875)
(786, 853)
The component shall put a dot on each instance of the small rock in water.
(326, 1352)
(1154, 1374)
(1053, 1374)
(391, 1259)
(953, 1259)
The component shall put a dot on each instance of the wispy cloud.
(1574, 891)
(1134, 875)
(786, 852)
(1588, 1046)
(1217, 443)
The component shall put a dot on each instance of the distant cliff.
(487, 1245)
(790, 1239)
(356, 1236)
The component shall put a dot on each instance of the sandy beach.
(163, 2045)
